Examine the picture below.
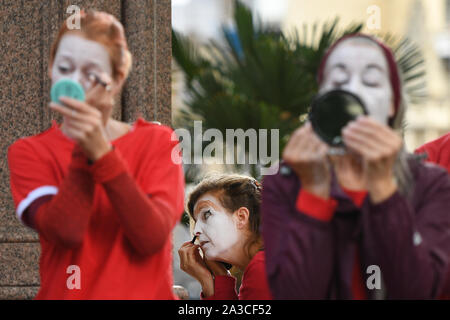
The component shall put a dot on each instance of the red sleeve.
(150, 204)
(429, 149)
(254, 281)
(438, 151)
(63, 218)
(314, 206)
(31, 177)
(224, 289)
(357, 196)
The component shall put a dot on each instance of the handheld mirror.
(330, 112)
(67, 88)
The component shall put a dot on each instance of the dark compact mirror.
(330, 112)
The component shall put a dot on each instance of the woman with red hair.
(103, 195)
(372, 223)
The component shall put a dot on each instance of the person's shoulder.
(280, 177)
(32, 144)
(428, 176)
(257, 264)
(259, 258)
(440, 142)
(435, 147)
(255, 272)
(153, 131)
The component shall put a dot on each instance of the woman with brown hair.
(225, 212)
(103, 195)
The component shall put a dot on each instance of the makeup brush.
(95, 77)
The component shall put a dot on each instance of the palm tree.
(261, 78)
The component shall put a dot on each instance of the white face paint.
(77, 57)
(215, 227)
(359, 66)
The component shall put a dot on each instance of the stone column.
(28, 30)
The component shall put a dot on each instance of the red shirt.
(254, 284)
(109, 267)
(438, 151)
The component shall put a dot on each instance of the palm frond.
(259, 77)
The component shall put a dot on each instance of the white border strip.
(33, 195)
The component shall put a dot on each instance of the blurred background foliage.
(261, 78)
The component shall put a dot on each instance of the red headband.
(393, 71)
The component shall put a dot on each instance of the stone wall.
(28, 29)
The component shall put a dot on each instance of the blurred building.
(426, 22)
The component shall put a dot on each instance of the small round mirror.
(330, 112)
(67, 88)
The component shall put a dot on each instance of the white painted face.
(359, 66)
(215, 227)
(77, 57)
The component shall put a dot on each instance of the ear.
(392, 109)
(118, 84)
(242, 216)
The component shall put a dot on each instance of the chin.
(211, 255)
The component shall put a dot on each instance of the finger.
(300, 133)
(81, 106)
(101, 86)
(297, 142)
(186, 244)
(70, 114)
(77, 105)
(294, 138)
(185, 252)
(96, 93)
(183, 259)
(392, 138)
(363, 136)
(75, 134)
(380, 128)
(80, 127)
(365, 141)
(314, 148)
(193, 257)
(372, 133)
(361, 147)
(65, 111)
(82, 122)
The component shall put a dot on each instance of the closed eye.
(339, 76)
(373, 76)
(63, 69)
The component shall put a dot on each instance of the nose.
(77, 76)
(353, 85)
(197, 229)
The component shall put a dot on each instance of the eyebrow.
(371, 65)
(375, 66)
(339, 66)
(89, 64)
